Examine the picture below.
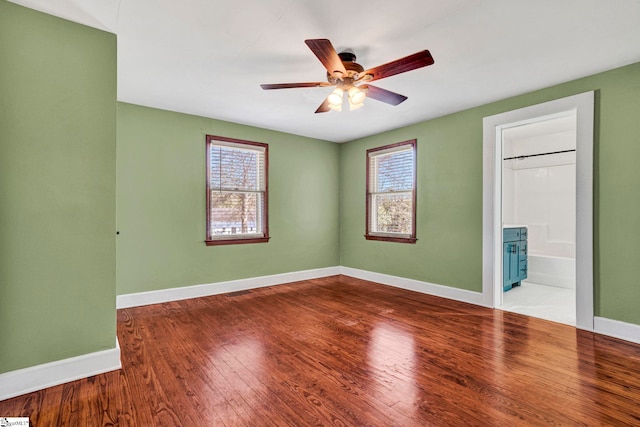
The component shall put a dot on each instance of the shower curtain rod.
(541, 154)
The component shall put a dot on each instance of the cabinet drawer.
(511, 234)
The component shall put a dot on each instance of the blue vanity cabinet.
(514, 256)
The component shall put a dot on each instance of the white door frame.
(583, 107)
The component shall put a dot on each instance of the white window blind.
(391, 192)
(237, 190)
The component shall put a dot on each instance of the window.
(391, 193)
(236, 191)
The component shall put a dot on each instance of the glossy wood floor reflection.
(341, 351)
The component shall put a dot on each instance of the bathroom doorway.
(581, 107)
(539, 198)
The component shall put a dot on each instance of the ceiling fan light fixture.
(356, 96)
(335, 98)
(353, 106)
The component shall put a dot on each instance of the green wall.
(161, 182)
(57, 188)
(449, 206)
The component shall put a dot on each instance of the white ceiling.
(208, 57)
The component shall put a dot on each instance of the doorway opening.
(539, 200)
(579, 109)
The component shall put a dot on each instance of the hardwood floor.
(341, 351)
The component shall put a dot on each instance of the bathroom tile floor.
(545, 302)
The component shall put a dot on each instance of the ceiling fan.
(348, 76)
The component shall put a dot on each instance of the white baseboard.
(196, 291)
(34, 378)
(455, 294)
(615, 328)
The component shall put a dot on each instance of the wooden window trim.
(381, 236)
(236, 240)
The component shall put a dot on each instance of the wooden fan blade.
(325, 52)
(324, 107)
(293, 85)
(383, 95)
(402, 65)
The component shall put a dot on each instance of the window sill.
(391, 238)
(237, 241)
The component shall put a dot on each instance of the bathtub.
(552, 271)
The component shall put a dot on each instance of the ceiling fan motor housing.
(353, 70)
